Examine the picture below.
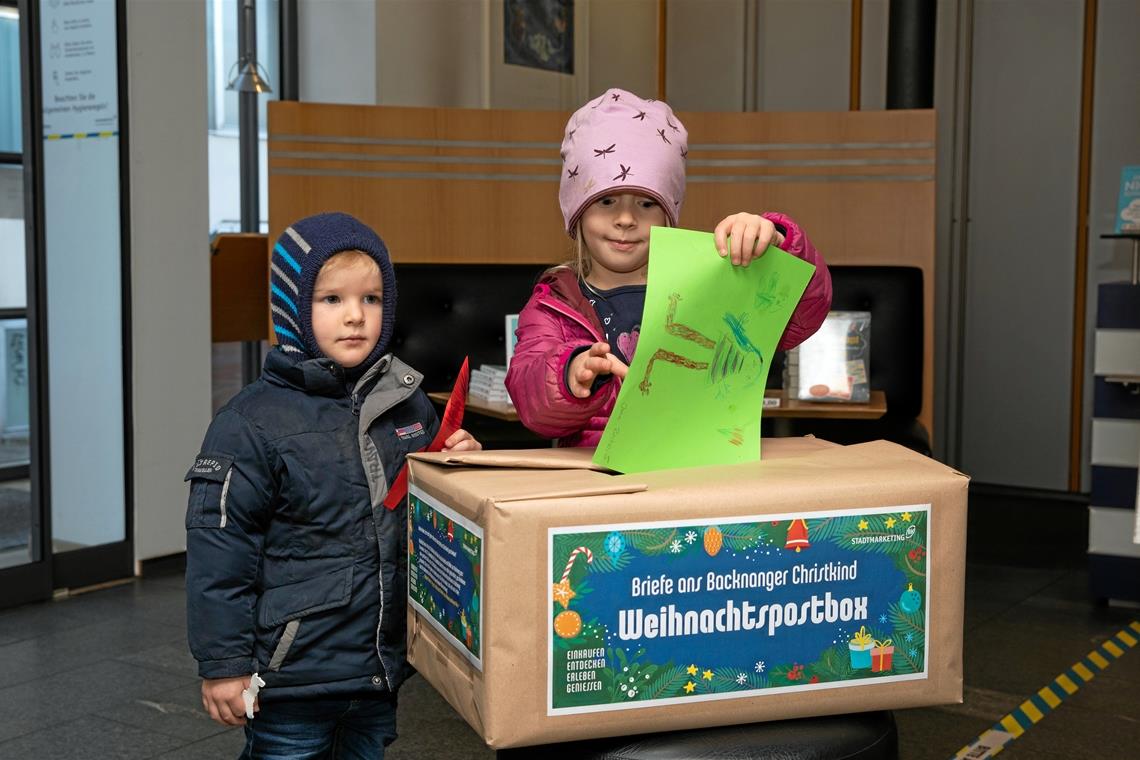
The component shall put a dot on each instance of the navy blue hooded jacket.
(295, 569)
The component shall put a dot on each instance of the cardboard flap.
(519, 475)
(475, 485)
(565, 484)
(526, 459)
(583, 458)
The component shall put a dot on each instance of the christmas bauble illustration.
(910, 600)
(568, 624)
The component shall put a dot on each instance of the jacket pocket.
(209, 486)
(286, 607)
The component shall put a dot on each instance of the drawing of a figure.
(735, 362)
(770, 296)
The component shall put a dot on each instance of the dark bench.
(446, 311)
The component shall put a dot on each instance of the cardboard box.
(551, 601)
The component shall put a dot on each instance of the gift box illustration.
(881, 654)
(860, 648)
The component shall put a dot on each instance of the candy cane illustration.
(562, 591)
(573, 556)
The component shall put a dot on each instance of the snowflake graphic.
(690, 537)
(760, 666)
(675, 547)
(882, 619)
(741, 679)
(910, 637)
(912, 652)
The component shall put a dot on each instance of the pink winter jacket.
(558, 319)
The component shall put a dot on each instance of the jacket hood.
(297, 258)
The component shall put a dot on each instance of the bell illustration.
(797, 536)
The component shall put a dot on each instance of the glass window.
(13, 292)
(15, 496)
(221, 57)
(15, 488)
(10, 135)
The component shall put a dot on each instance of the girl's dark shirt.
(619, 310)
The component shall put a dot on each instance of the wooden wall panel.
(481, 186)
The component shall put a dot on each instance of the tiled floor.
(107, 675)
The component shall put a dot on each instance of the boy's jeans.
(327, 729)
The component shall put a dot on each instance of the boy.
(295, 570)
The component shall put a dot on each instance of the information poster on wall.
(78, 57)
(1128, 206)
(662, 613)
(14, 409)
(445, 581)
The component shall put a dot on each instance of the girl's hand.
(587, 366)
(744, 237)
(619, 368)
(461, 440)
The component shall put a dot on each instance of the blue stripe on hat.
(288, 301)
(287, 333)
(285, 255)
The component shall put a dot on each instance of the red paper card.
(452, 420)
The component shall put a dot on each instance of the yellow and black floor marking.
(1048, 698)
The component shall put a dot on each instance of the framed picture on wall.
(516, 78)
(539, 34)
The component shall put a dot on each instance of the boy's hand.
(587, 366)
(744, 237)
(461, 440)
(222, 699)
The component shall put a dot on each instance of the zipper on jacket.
(225, 493)
(362, 433)
(380, 620)
(572, 314)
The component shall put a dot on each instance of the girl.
(623, 171)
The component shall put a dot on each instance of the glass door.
(25, 558)
(65, 519)
(79, 130)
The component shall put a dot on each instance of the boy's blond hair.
(348, 259)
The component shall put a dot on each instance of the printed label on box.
(445, 572)
(658, 613)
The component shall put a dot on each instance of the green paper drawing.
(735, 362)
(695, 389)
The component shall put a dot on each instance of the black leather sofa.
(447, 311)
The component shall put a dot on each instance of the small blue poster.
(539, 34)
(445, 578)
(1128, 209)
(660, 613)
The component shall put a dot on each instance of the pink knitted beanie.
(620, 142)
